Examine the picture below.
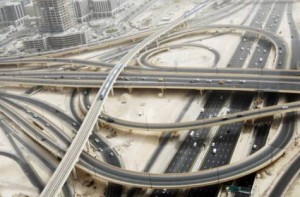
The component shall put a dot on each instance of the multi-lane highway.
(68, 162)
(226, 79)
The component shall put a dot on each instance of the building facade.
(107, 8)
(70, 38)
(36, 44)
(82, 10)
(12, 13)
(55, 16)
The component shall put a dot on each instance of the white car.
(192, 134)
(214, 151)
(284, 107)
(195, 144)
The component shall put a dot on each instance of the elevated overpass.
(71, 157)
(274, 149)
(236, 82)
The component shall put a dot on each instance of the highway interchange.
(179, 175)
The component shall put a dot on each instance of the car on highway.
(221, 82)
(195, 80)
(109, 119)
(254, 147)
(224, 118)
(96, 140)
(213, 144)
(284, 107)
(111, 154)
(35, 115)
(195, 144)
(74, 123)
(208, 80)
(242, 81)
(214, 151)
(192, 134)
(239, 115)
(228, 81)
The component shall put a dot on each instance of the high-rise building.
(12, 13)
(81, 10)
(57, 22)
(106, 8)
(55, 15)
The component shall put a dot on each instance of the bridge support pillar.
(201, 92)
(74, 173)
(112, 92)
(162, 92)
(130, 90)
(88, 146)
(96, 127)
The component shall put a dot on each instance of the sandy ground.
(145, 105)
(191, 57)
(294, 189)
(162, 9)
(227, 48)
(12, 176)
(181, 57)
(238, 17)
(59, 99)
(141, 106)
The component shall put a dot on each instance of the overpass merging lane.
(72, 156)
